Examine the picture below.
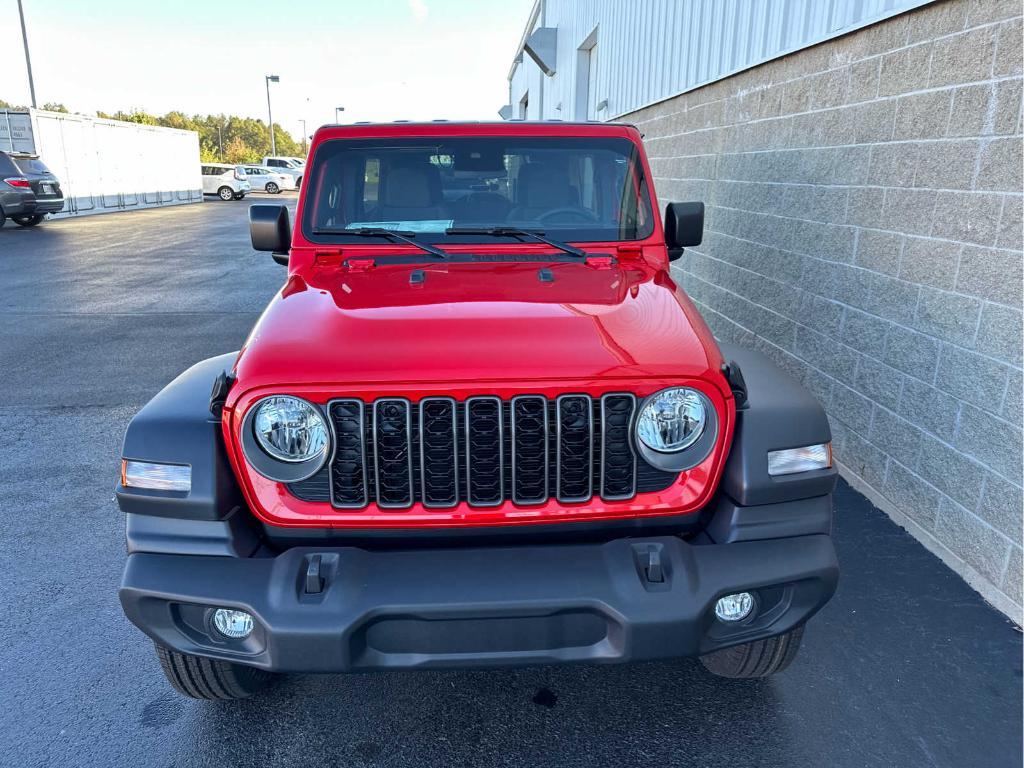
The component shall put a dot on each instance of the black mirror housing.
(270, 228)
(684, 227)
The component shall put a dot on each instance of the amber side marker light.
(804, 459)
(156, 477)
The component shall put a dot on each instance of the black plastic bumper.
(485, 606)
(49, 204)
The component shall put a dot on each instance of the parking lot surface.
(906, 666)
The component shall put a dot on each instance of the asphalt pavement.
(906, 666)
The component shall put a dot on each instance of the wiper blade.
(572, 250)
(391, 234)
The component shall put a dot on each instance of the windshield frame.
(636, 175)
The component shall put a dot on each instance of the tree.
(53, 106)
(237, 151)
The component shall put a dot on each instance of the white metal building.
(860, 163)
(108, 165)
(601, 59)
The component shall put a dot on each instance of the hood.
(477, 322)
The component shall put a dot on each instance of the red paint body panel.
(473, 329)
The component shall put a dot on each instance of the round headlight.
(672, 420)
(289, 429)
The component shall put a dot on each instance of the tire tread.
(210, 679)
(760, 658)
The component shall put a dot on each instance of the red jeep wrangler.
(479, 425)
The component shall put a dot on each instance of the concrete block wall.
(864, 229)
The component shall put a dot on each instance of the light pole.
(270, 115)
(303, 136)
(28, 59)
(336, 111)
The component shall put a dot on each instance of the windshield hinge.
(331, 258)
(601, 262)
(360, 265)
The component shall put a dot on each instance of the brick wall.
(864, 230)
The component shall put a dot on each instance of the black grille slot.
(484, 451)
(618, 461)
(574, 462)
(392, 429)
(439, 463)
(348, 478)
(529, 449)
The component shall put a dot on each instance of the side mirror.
(684, 226)
(271, 230)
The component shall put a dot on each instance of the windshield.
(580, 189)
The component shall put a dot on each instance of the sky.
(380, 59)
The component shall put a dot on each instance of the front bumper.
(478, 606)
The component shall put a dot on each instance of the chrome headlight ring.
(694, 451)
(282, 470)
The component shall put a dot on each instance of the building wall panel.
(651, 50)
(864, 229)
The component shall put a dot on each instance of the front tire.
(760, 658)
(271, 188)
(226, 193)
(210, 679)
(3, 217)
(28, 221)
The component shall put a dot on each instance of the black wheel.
(757, 659)
(210, 679)
(28, 221)
(226, 193)
(271, 188)
(240, 196)
(3, 218)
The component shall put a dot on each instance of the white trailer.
(108, 165)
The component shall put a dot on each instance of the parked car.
(295, 166)
(228, 182)
(476, 429)
(267, 180)
(28, 190)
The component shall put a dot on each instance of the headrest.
(544, 186)
(413, 185)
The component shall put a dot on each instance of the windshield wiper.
(391, 234)
(572, 250)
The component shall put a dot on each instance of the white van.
(294, 166)
(228, 182)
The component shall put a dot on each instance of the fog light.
(231, 623)
(734, 607)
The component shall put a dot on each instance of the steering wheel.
(580, 213)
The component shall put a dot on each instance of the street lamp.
(336, 111)
(28, 59)
(303, 136)
(270, 115)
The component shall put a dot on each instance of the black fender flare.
(779, 413)
(177, 427)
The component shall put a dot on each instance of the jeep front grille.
(484, 451)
